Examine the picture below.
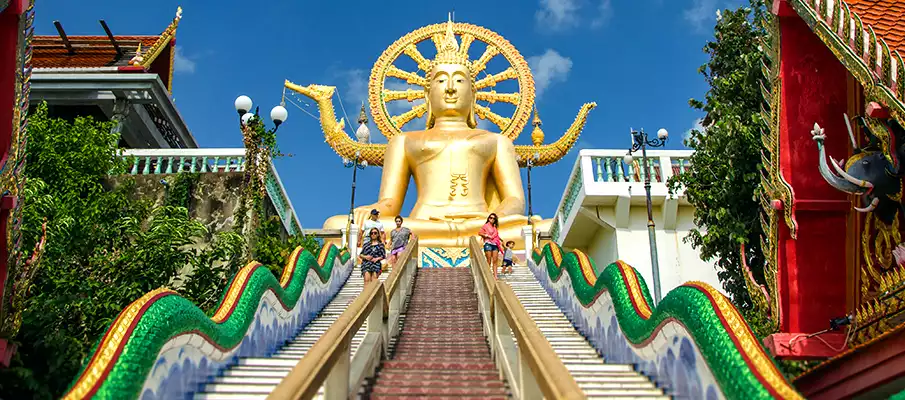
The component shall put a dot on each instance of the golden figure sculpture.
(462, 173)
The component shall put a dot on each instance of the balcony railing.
(603, 173)
(175, 161)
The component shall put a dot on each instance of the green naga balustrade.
(164, 346)
(695, 329)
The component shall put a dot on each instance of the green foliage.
(274, 252)
(213, 270)
(179, 193)
(724, 181)
(104, 249)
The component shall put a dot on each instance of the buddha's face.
(451, 92)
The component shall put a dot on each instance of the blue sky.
(637, 59)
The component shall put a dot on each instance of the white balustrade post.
(665, 168)
(336, 386)
(377, 325)
(528, 236)
(528, 388)
(353, 241)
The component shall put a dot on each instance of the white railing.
(175, 161)
(605, 173)
(608, 165)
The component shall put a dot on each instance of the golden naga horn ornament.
(387, 78)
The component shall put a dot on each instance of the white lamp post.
(640, 141)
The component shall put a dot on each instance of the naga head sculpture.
(874, 172)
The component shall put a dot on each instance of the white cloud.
(181, 63)
(698, 126)
(355, 89)
(561, 15)
(701, 12)
(605, 12)
(557, 14)
(549, 68)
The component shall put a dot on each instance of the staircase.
(254, 378)
(594, 376)
(441, 350)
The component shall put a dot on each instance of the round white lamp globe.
(278, 114)
(243, 104)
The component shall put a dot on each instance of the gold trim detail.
(749, 344)
(634, 289)
(773, 185)
(165, 38)
(235, 290)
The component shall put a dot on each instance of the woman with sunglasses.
(372, 254)
(492, 242)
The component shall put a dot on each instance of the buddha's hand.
(362, 214)
(467, 215)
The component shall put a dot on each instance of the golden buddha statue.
(462, 173)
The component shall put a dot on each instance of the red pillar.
(812, 268)
(9, 43)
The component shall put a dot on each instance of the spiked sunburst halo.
(450, 50)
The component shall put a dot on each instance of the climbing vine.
(179, 193)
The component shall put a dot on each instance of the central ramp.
(441, 350)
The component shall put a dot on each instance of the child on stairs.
(507, 258)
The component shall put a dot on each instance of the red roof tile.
(887, 17)
(90, 51)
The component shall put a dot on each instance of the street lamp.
(363, 134)
(529, 163)
(356, 164)
(641, 141)
(255, 154)
(278, 114)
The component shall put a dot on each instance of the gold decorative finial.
(179, 12)
(363, 116)
(448, 48)
(537, 135)
(137, 59)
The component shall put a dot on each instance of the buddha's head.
(451, 92)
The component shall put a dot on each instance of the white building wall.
(678, 261)
(607, 219)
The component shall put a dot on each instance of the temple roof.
(87, 53)
(887, 17)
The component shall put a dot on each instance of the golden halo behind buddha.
(451, 50)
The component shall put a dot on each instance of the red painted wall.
(812, 269)
(9, 43)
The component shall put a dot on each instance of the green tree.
(725, 179)
(272, 251)
(104, 249)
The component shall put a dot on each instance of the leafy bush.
(104, 249)
(274, 252)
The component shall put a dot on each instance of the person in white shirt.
(372, 222)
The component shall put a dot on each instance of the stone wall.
(213, 201)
